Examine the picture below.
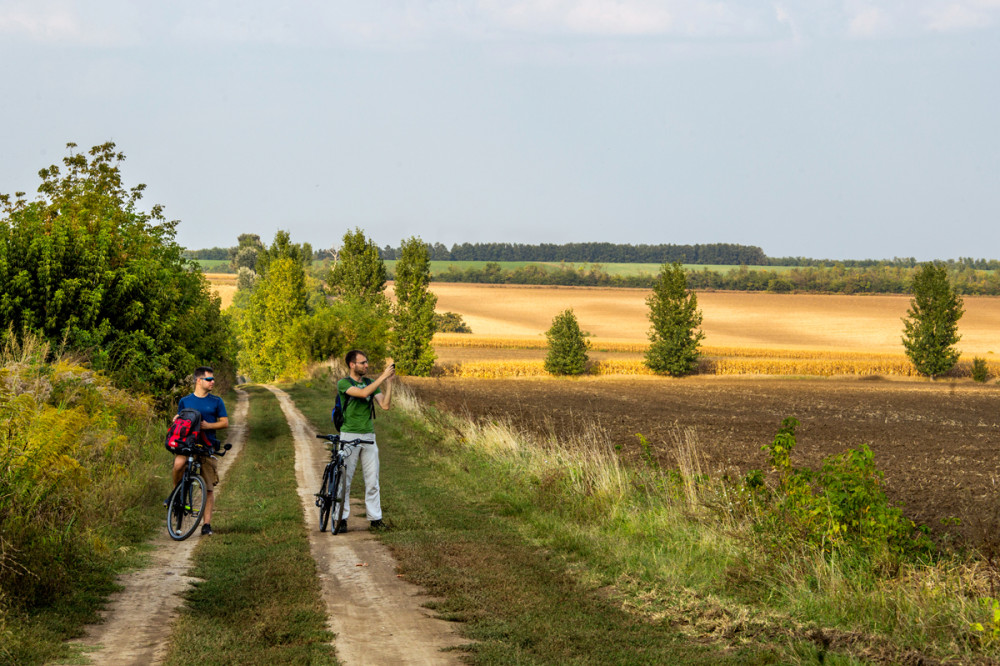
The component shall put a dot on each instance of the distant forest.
(726, 254)
(581, 265)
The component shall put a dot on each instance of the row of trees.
(882, 279)
(930, 330)
(709, 253)
(287, 319)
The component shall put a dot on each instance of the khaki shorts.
(209, 472)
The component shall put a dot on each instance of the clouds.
(893, 18)
(405, 23)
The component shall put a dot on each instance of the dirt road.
(378, 618)
(136, 624)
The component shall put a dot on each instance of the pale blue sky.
(850, 129)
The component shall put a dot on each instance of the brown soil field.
(822, 322)
(938, 443)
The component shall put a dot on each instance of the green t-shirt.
(357, 411)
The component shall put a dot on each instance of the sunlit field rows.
(758, 321)
(745, 333)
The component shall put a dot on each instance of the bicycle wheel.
(324, 500)
(187, 505)
(340, 497)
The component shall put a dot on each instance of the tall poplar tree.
(275, 305)
(675, 320)
(413, 313)
(931, 327)
(359, 273)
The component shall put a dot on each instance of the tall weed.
(790, 555)
(75, 461)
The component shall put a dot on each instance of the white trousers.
(368, 452)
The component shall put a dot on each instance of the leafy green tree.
(931, 327)
(675, 320)
(246, 252)
(568, 347)
(359, 273)
(275, 305)
(413, 314)
(88, 270)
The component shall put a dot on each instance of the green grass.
(592, 535)
(461, 533)
(258, 600)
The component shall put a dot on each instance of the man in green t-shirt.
(359, 395)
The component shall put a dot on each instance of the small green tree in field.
(675, 320)
(568, 347)
(413, 314)
(931, 326)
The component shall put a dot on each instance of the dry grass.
(717, 362)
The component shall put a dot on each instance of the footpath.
(135, 627)
(377, 617)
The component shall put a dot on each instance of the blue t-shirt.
(211, 407)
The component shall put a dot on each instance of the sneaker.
(379, 525)
(342, 526)
(206, 529)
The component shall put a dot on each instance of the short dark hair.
(202, 370)
(353, 355)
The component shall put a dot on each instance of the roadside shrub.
(567, 346)
(76, 458)
(450, 322)
(980, 371)
(842, 508)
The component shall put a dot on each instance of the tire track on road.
(377, 617)
(136, 624)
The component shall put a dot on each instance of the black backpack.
(184, 431)
(337, 415)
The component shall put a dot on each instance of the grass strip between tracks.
(517, 601)
(258, 600)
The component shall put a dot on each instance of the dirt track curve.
(377, 617)
(136, 624)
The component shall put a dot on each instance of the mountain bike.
(186, 504)
(332, 494)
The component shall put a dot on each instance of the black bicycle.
(332, 494)
(186, 504)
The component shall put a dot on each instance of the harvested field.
(223, 284)
(938, 443)
(822, 322)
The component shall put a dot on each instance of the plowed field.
(938, 443)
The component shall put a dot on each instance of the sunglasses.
(208, 379)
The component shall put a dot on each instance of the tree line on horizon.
(718, 254)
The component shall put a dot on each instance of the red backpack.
(184, 432)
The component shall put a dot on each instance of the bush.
(843, 508)
(78, 455)
(567, 353)
(450, 322)
(980, 372)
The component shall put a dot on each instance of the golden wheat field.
(224, 284)
(815, 322)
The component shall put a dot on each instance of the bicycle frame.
(334, 483)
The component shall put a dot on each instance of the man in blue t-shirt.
(213, 417)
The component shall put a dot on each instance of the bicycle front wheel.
(187, 506)
(324, 500)
(340, 498)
